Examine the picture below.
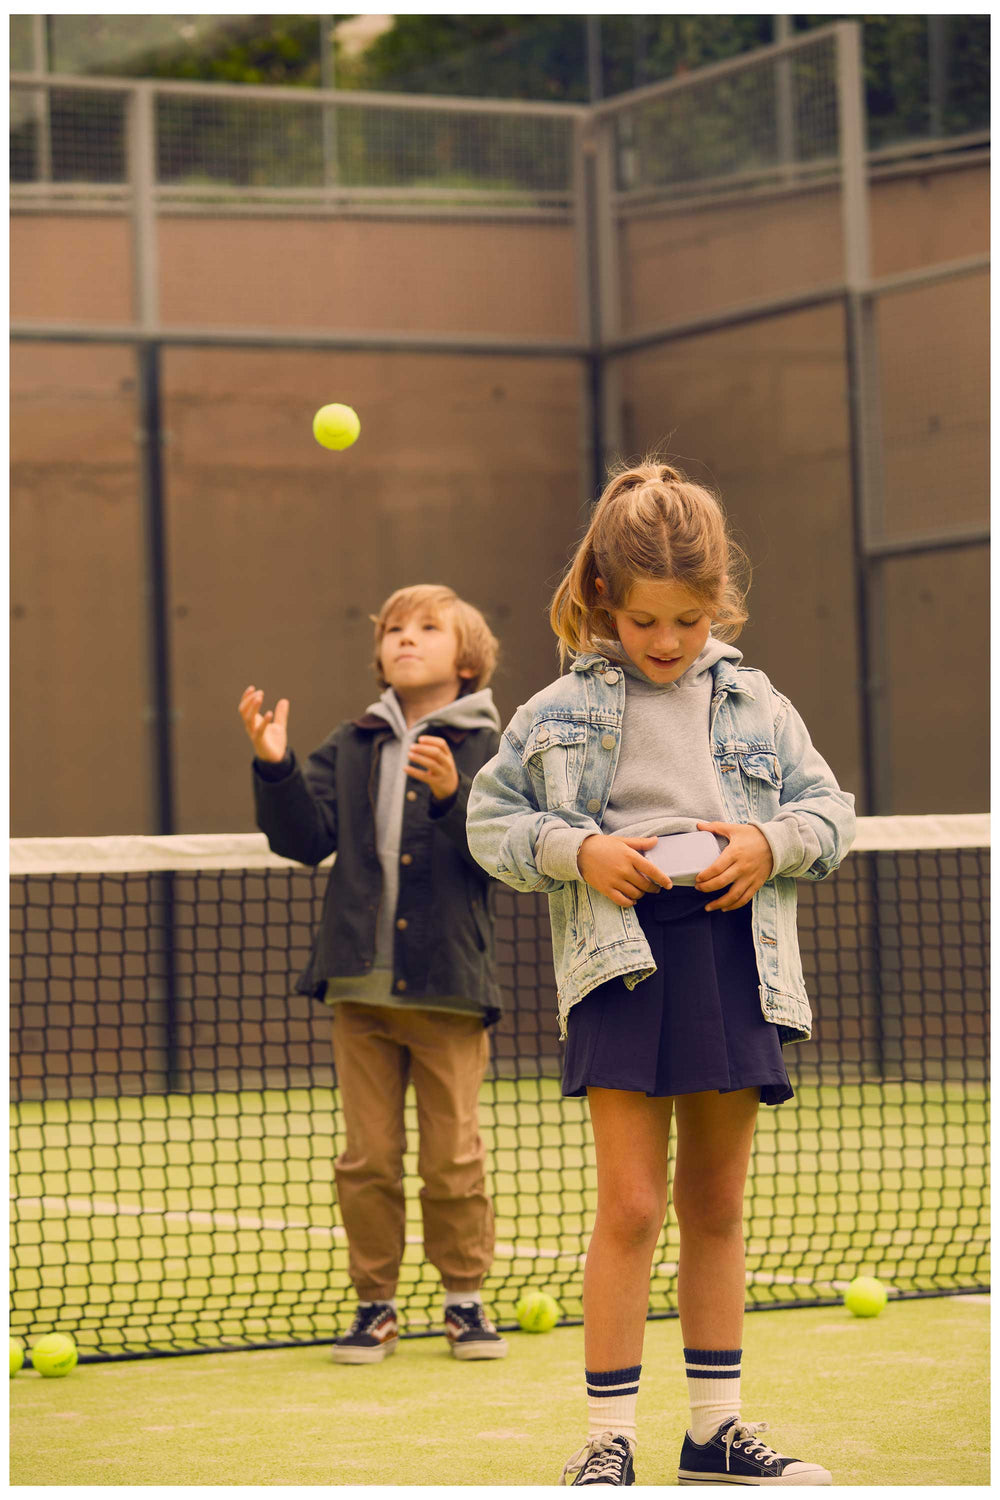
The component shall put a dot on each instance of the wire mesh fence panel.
(933, 348)
(395, 219)
(202, 1214)
(67, 135)
(735, 126)
(734, 180)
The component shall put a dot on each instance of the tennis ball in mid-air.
(865, 1297)
(54, 1355)
(336, 426)
(537, 1312)
(16, 1357)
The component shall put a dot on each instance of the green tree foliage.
(513, 57)
(211, 49)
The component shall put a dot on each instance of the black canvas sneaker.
(602, 1460)
(470, 1333)
(372, 1336)
(736, 1455)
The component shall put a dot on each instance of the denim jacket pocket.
(760, 772)
(553, 756)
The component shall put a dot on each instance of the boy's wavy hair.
(650, 522)
(477, 645)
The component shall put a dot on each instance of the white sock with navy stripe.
(611, 1399)
(713, 1377)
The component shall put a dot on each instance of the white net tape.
(249, 851)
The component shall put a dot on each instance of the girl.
(675, 998)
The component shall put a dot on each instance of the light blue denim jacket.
(557, 760)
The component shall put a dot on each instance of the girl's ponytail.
(650, 522)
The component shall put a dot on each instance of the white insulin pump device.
(683, 856)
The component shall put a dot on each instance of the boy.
(404, 952)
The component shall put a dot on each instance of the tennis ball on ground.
(16, 1357)
(336, 426)
(54, 1355)
(865, 1297)
(537, 1312)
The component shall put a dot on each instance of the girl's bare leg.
(631, 1134)
(714, 1137)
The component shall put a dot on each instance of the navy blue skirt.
(696, 1025)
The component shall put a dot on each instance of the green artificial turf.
(898, 1400)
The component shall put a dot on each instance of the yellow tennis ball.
(865, 1297)
(16, 1357)
(54, 1355)
(537, 1312)
(336, 426)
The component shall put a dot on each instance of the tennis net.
(176, 1117)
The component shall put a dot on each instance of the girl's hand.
(435, 766)
(616, 868)
(744, 865)
(268, 732)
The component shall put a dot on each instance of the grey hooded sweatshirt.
(665, 780)
(475, 711)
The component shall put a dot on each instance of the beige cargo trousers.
(377, 1051)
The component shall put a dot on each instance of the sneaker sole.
(480, 1351)
(804, 1476)
(346, 1355)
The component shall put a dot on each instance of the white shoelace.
(610, 1459)
(744, 1433)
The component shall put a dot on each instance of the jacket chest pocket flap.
(761, 774)
(553, 757)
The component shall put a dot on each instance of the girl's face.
(662, 627)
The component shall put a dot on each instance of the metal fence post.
(865, 421)
(607, 292)
(142, 177)
(328, 81)
(41, 100)
(142, 181)
(588, 312)
(784, 114)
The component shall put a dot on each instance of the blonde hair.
(650, 522)
(477, 645)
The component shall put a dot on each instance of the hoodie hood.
(474, 711)
(713, 651)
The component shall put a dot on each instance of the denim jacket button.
(611, 676)
(594, 805)
(608, 741)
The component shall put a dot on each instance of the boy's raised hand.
(435, 765)
(617, 869)
(268, 732)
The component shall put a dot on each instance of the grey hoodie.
(475, 711)
(665, 780)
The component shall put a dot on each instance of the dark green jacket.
(307, 813)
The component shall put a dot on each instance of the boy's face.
(419, 651)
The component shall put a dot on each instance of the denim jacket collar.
(725, 672)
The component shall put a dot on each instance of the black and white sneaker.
(470, 1333)
(602, 1460)
(736, 1455)
(372, 1336)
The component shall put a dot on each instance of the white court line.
(225, 1219)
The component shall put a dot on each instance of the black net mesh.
(176, 1118)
